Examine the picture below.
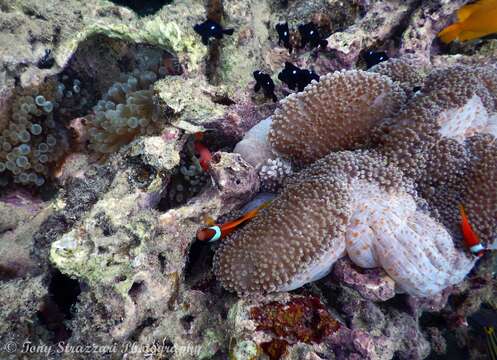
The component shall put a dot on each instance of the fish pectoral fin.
(205, 40)
(257, 87)
(450, 33)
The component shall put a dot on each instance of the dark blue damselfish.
(310, 35)
(211, 29)
(265, 82)
(372, 57)
(284, 36)
(295, 77)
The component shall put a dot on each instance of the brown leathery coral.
(338, 113)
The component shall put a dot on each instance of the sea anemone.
(32, 141)
(390, 201)
(338, 113)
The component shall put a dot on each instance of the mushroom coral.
(386, 194)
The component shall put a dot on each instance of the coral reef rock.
(122, 134)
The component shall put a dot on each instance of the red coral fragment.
(275, 348)
(303, 319)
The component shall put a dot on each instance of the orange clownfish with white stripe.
(220, 231)
(471, 239)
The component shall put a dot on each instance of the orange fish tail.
(233, 224)
(470, 237)
(450, 33)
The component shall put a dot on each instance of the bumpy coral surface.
(362, 202)
(31, 143)
(367, 170)
(335, 114)
(409, 70)
(125, 111)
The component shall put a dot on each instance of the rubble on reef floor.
(97, 247)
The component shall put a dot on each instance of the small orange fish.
(471, 239)
(220, 231)
(205, 155)
(475, 20)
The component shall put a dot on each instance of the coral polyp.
(124, 112)
(31, 143)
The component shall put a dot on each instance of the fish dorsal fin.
(467, 10)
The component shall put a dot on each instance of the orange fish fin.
(469, 234)
(450, 33)
(236, 222)
(247, 216)
(209, 221)
(467, 10)
(471, 35)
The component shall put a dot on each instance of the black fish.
(211, 29)
(372, 57)
(486, 320)
(284, 36)
(265, 82)
(295, 77)
(46, 61)
(312, 75)
(310, 34)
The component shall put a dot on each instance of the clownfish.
(471, 239)
(205, 155)
(475, 20)
(220, 231)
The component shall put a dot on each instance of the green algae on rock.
(188, 102)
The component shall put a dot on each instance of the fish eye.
(213, 27)
(311, 32)
(285, 33)
(267, 83)
(294, 71)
